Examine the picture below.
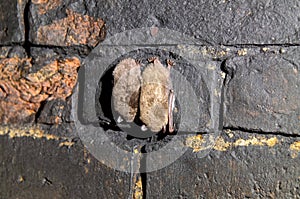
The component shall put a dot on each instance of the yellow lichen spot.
(223, 75)
(204, 51)
(272, 141)
(34, 132)
(136, 151)
(242, 142)
(66, 143)
(282, 50)
(265, 49)
(222, 53)
(138, 189)
(195, 142)
(242, 52)
(295, 149)
(229, 133)
(254, 141)
(217, 93)
(20, 179)
(221, 144)
(211, 67)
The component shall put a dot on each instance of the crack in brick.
(258, 131)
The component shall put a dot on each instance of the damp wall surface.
(249, 55)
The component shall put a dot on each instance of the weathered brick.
(217, 22)
(12, 26)
(244, 166)
(264, 92)
(40, 168)
(54, 23)
(22, 91)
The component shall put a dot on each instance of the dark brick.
(12, 26)
(264, 92)
(240, 172)
(39, 168)
(212, 22)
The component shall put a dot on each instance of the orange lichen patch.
(12, 106)
(75, 29)
(20, 95)
(46, 5)
(34, 132)
(295, 149)
(58, 78)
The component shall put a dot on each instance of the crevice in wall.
(259, 131)
(144, 175)
(27, 44)
(38, 113)
(261, 45)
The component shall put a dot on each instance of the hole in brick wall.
(120, 132)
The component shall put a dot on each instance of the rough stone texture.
(213, 22)
(22, 91)
(250, 169)
(261, 96)
(12, 25)
(264, 92)
(54, 112)
(44, 169)
(53, 24)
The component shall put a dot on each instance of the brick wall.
(253, 46)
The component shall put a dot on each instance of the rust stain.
(75, 29)
(34, 132)
(295, 149)
(21, 93)
(45, 5)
